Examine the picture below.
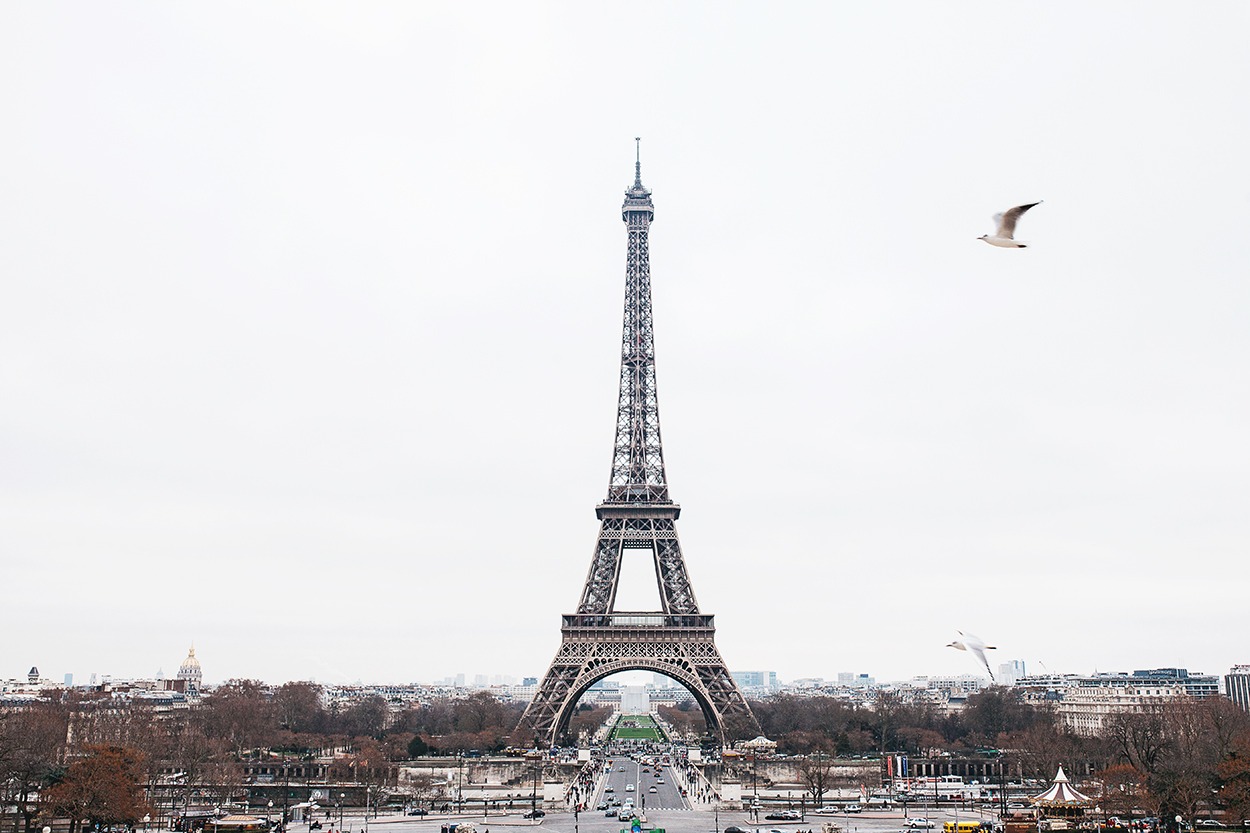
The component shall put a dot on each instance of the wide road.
(673, 821)
(654, 788)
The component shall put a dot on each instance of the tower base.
(681, 647)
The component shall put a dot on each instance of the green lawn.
(637, 727)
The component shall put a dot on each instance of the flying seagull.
(1007, 227)
(972, 643)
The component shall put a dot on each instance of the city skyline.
(311, 331)
(473, 680)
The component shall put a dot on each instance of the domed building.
(190, 673)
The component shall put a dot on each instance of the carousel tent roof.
(1062, 794)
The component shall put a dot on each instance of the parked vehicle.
(921, 824)
(963, 827)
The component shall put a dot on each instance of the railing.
(637, 620)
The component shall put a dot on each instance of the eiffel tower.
(598, 640)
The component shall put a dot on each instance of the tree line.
(1177, 757)
(89, 756)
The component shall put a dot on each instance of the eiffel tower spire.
(638, 515)
(638, 457)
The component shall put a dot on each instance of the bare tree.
(32, 744)
(816, 771)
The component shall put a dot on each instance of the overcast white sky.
(311, 313)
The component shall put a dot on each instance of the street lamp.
(755, 785)
(268, 813)
(341, 797)
(538, 768)
(147, 821)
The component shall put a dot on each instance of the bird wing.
(986, 663)
(1007, 220)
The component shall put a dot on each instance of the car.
(735, 829)
(610, 813)
(659, 780)
(651, 789)
(622, 769)
(418, 811)
(609, 789)
(603, 805)
(784, 815)
(1207, 823)
(625, 813)
(629, 788)
(852, 808)
(921, 824)
(534, 814)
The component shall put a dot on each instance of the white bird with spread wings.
(974, 645)
(1003, 236)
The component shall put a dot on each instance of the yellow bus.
(962, 827)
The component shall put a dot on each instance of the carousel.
(1062, 807)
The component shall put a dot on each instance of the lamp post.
(459, 781)
(538, 760)
(755, 785)
(147, 821)
(286, 788)
(341, 797)
(268, 813)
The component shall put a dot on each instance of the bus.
(964, 827)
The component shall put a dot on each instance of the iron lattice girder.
(687, 655)
(628, 527)
(638, 456)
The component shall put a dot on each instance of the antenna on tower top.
(638, 162)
